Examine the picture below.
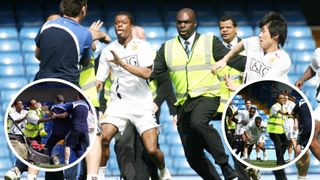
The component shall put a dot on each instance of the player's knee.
(105, 141)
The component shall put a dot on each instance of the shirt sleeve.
(33, 118)
(148, 55)
(160, 65)
(87, 48)
(219, 51)
(103, 68)
(315, 63)
(275, 108)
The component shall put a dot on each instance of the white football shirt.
(129, 92)
(273, 65)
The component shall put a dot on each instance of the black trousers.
(281, 144)
(134, 162)
(197, 135)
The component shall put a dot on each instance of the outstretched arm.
(308, 74)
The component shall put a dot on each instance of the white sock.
(290, 157)
(32, 177)
(66, 161)
(102, 172)
(92, 177)
(302, 177)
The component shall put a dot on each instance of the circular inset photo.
(268, 124)
(49, 125)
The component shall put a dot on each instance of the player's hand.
(99, 85)
(230, 85)
(218, 65)
(116, 58)
(96, 25)
(299, 83)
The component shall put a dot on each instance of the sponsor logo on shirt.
(132, 60)
(259, 67)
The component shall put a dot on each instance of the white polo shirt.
(273, 65)
(129, 92)
(16, 116)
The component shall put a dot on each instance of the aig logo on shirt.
(259, 67)
(132, 60)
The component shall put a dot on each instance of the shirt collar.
(233, 42)
(190, 40)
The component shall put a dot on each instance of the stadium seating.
(19, 27)
(8, 33)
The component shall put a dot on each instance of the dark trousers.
(197, 135)
(134, 163)
(241, 169)
(281, 144)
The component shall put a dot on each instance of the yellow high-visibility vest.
(87, 83)
(276, 123)
(231, 125)
(32, 130)
(192, 76)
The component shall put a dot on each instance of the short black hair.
(72, 8)
(277, 26)
(128, 14)
(258, 118)
(229, 17)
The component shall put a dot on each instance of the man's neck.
(76, 19)
(125, 42)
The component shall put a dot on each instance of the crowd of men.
(195, 67)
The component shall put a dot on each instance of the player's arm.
(315, 144)
(308, 74)
(233, 117)
(143, 72)
(37, 53)
(227, 57)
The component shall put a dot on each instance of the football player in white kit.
(255, 135)
(311, 71)
(130, 61)
(265, 58)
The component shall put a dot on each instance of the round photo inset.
(50, 125)
(268, 125)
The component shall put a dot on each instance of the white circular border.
(91, 139)
(263, 168)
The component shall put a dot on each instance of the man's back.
(62, 43)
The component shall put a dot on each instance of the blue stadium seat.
(209, 30)
(148, 18)
(301, 56)
(154, 32)
(8, 33)
(242, 107)
(206, 18)
(301, 44)
(238, 97)
(177, 151)
(28, 45)
(245, 31)
(7, 95)
(181, 163)
(31, 70)
(301, 67)
(173, 139)
(13, 83)
(9, 46)
(156, 43)
(12, 71)
(299, 31)
(30, 59)
(28, 32)
(11, 59)
(111, 33)
(171, 32)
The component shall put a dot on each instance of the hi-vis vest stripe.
(276, 124)
(87, 83)
(192, 76)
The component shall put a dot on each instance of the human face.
(252, 112)
(185, 24)
(266, 42)
(281, 99)
(248, 104)
(19, 106)
(228, 31)
(33, 104)
(123, 28)
(258, 122)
